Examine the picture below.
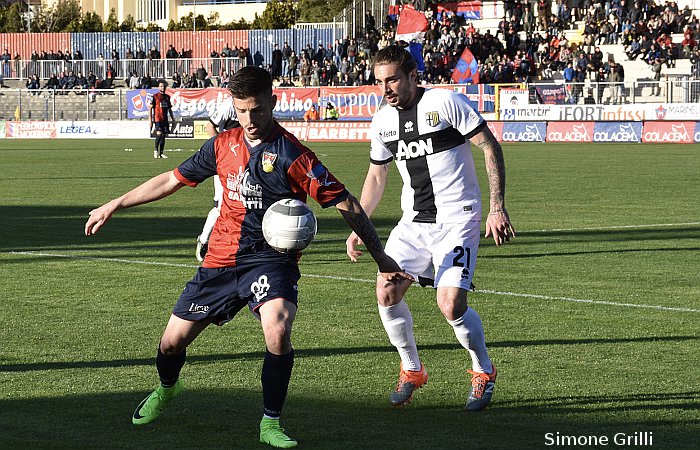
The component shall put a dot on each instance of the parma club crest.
(432, 118)
(268, 161)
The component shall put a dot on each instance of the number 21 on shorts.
(462, 259)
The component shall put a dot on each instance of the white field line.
(611, 227)
(362, 280)
(615, 227)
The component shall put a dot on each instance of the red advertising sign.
(669, 132)
(570, 131)
(292, 103)
(31, 130)
(329, 131)
(353, 102)
(496, 129)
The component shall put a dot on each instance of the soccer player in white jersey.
(224, 118)
(427, 134)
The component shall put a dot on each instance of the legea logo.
(198, 309)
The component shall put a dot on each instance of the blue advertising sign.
(524, 131)
(617, 132)
(696, 135)
(137, 102)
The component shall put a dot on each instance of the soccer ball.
(289, 225)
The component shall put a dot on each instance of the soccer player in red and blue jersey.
(160, 108)
(258, 164)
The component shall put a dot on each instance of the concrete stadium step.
(640, 70)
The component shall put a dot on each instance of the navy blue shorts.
(219, 293)
(162, 126)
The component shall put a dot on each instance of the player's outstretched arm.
(355, 216)
(497, 222)
(372, 191)
(154, 189)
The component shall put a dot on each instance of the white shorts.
(446, 250)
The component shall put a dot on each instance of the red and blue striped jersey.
(253, 179)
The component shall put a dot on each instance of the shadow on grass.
(42, 227)
(324, 352)
(336, 419)
(34, 227)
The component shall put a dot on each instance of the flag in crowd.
(467, 69)
(416, 50)
(412, 25)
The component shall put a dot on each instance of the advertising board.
(182, 129)
(30, 130)
(190, 103)
(669, 132)
(524, 132)
(617, 132)
(101, 129)
(323, 131)
(601, 113)
(570, 132)
(292, 103)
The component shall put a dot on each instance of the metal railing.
(54, 105)
(122, 68)
(111, 104)
(673, 90)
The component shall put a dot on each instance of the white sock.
(209, 225)
(398, 323)
(470, 333)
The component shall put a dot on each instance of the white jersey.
(224, 117)
(429, 143)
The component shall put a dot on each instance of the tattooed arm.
(355, 216)
(497, 222)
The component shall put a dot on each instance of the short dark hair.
(394, 54)
(250, 81)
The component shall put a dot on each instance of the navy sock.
(276, 372)
(169, 367)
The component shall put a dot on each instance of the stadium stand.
(519, 41)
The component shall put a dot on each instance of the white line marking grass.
(362, 280)
(615, 227)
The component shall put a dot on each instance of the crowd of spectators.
(528, 45)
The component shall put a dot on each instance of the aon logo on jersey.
(415, 149)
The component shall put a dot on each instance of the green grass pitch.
(591, 314)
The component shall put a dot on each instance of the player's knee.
(278, 337)
(388, 294)
(452, 308)
(171, 348)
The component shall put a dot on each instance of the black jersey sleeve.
(199, 166)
